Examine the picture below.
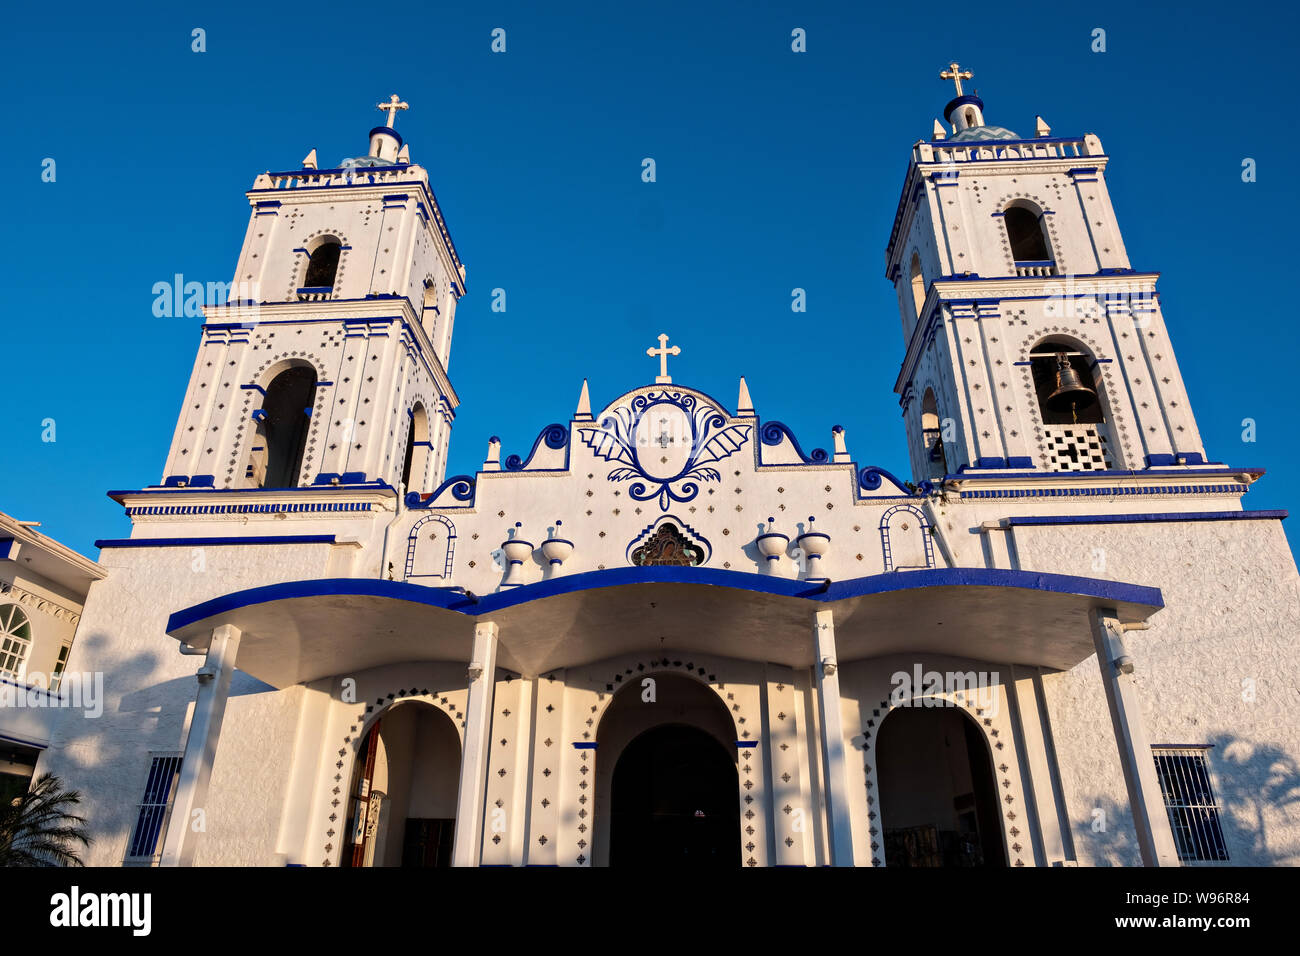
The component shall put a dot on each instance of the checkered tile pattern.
(1076, 448)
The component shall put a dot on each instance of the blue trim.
(1179, 472)
(556, 437)
(584, 745)
(772, 433)
(964, 100)
(389, 131)
(346, 478)
(462, 489)
(870, 478)
(377, 485)
(746, 743)
(19, 740)
(1143, 518)
(6, 548)
(204, 542)
(1114, 592)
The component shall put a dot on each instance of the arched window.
(932, 436)
(282, 428)
(417, 449)
(918, 284)
(323, 265)
(1028, 244)
(970, 117)
(15, 639)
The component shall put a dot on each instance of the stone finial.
(939, 131)
(1041, 128)
(309, 161)
(744, 406)
(493, 460)
(841, 449)
(583, 412)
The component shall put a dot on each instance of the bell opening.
(1065, 386)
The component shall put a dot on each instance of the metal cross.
(393, 105)
(663, 352)
(954, 73)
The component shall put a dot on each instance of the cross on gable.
(663, 378)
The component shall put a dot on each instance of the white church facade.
(667, 633)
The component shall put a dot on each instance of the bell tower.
(327, 365)
(1032, 345)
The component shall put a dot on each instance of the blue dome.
(974, 134)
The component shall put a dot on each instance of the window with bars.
(1189, 797)
(155, 809)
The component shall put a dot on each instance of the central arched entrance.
(673, 802)
(938, 795)
(667, 788)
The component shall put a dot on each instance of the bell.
(1070, 394)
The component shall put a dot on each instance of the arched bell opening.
(1072, 406)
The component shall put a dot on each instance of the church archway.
(938, 794)
(667, 787)
(402, 799)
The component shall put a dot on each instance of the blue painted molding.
(119, 494)
(6, 547)
(1182, 472)
(871, 477)
(212, 542)
(462, 489)
(346, 478)
(556, 437)
(584, 745)
(772, 433)
(1115, 592)
(1030, 521)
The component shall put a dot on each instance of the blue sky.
(775, 170)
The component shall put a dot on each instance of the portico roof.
(304, 630)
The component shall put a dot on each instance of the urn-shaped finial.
(517, 551)
(556, 550)
(772, 545)
(814, 544)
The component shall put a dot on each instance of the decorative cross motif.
(663, 378)
(954, 73)
(664, 438)
(395, 104)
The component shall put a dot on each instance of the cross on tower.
(391, 107)
(663, 378)
(954, 73)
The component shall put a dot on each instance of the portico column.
(1155, 839)
(201, 746)
(828, 701)
(468, 846)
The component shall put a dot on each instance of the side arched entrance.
(402, 803)
(938, 793)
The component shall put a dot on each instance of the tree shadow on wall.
(1254, 785)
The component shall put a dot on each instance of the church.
(672, 632)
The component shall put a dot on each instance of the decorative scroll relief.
(666, 441)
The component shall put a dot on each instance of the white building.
(666, 633)
(43, 587)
